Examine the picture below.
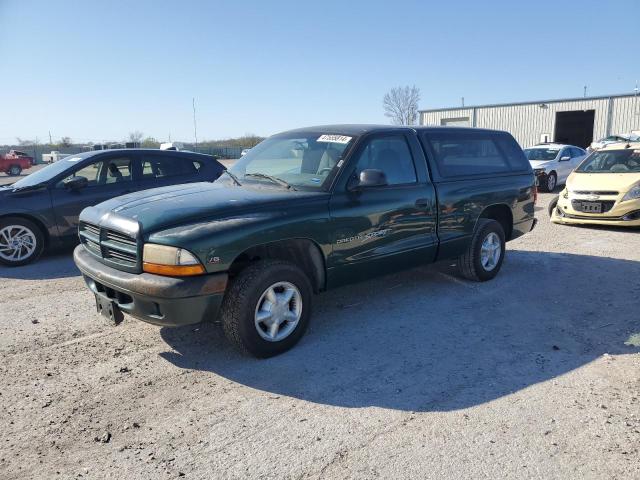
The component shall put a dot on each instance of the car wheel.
(552, 205)
(21, 241)
(267, 308)
(484, 256)
(552, 181)
(15, 170)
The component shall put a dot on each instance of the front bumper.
(622, 214)
(165, 301)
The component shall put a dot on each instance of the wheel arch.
(303, 252)
(501, 213)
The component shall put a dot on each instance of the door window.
(390, 154)
(576, 152)
(103, 172)
(161, 166)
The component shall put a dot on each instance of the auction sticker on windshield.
(334, 139)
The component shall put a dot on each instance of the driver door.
(109, 176)
(384, 228)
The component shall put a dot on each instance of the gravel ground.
(416, 375)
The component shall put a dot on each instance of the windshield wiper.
(233, 177)
(272, 178)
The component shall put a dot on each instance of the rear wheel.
(21, 241)
(267, 308)
(483, 259)
(15, 170)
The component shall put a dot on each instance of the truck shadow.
(425, 340)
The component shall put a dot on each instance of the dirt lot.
(417, 375)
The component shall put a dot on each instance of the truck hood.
(161, 208)
(619, 182)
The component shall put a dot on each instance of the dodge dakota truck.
(302, 212)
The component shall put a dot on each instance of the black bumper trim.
(166, 301)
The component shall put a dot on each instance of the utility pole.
(462, 102)
(585, 92)
(50, 142)
(195, 129)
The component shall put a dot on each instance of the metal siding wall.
(528, 122)
(625, 115)
(434, 118)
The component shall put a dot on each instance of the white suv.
(553, 162)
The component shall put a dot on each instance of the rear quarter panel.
(462, 202)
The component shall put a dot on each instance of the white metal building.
(576, 121)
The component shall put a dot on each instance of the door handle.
(422, 202)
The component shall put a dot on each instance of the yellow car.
(603, 190)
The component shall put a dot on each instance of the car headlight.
(633, 193)
(565, 193)
(170, 261)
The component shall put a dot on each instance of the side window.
(161, 166)
(472, 153)
(390, 154)
(104, 172)
(576, 152)
(91, 172)
(116, 170)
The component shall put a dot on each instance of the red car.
(14, 162)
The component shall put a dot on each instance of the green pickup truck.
(305, 211)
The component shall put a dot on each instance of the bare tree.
(135, 137)
(401, 105)
(65, 142)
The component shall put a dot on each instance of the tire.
(246, 298)
(470, 264)
(15, 170)
(551, 183)
(25, 231)
(552, 205)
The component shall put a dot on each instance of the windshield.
(50, 171)
(612, 161)
(541, 153)
(302, 160)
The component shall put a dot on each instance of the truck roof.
(360, 129)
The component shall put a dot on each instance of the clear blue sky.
(97, 69)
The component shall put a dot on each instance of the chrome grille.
(115, 247)
(589, 192)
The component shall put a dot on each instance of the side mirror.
(565, 159)
(76, 183)
(370, 177)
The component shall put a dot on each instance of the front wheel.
(483, 259)
(267, 308)
(15, 170)
(21, 241)
(552, 205)
(552, 181)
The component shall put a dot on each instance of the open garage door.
(575, 128)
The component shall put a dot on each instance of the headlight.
(171, 261)
(565, 193)
(632, 194)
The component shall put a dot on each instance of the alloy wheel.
(490, 251)
(17, 243)
(278, 311)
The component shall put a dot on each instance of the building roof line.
(515, 104)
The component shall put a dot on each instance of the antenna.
(585, 92)
(195, 129)
(462, 102)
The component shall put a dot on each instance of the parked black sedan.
(41, 210)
